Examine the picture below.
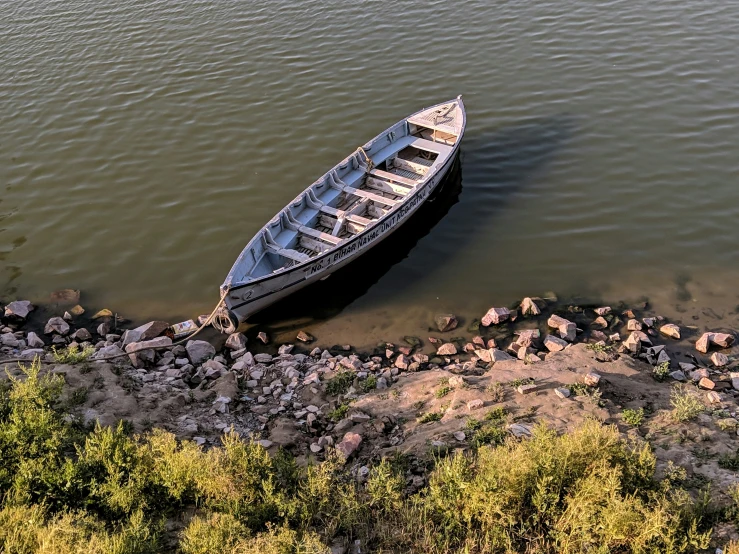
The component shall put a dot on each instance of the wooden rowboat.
(351, 208)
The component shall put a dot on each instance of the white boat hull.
(402, 193)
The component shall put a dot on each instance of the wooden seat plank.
(393, 177)
(374, 197)
(384, 186)
(319, 235)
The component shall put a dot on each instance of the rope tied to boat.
(368, 160)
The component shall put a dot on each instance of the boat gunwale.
(228, 286)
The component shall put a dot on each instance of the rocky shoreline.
(538, 361)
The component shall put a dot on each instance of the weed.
(489, 434)
(430, 416)
(633, 417)
(496, 392)
(395, 393)
(419, 404)
(340, 383)
(443, 391)
(600, 348)
(499, 413)
(518, 382)
(729, 461)
(661, 371)
(369, 384)
(472, 424)
(338, 413)
(72, 354)
(685, 404)
(78, 397)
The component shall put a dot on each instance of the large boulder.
(18, 310)
(199, 350)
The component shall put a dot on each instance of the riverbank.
(664, 385)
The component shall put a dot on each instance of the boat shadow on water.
(497, 165)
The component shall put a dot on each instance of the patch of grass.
(78, 396)
(579, 389)
(109, 492)
(661, 371)
(599, 348)
(633, 417)
(685, 404)
(518, 382)
(472, 424)
(443, 391)
(340, 383)
(338, 413)
(499, 413)
(419, 404)
(71, 354)
(428, 417)
(729, 461)
(369, 384)
(496, 392)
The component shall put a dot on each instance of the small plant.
(661, 371)
(71, 354)
(369, 384)
(518, 382)
(600, 348)
(685, 404)
(419, 404)
(443, 391)
(339, 413)
(489, 434)
(498, 414)
(496, 392)
(428, 417)
(78, 397)
(340, 383)
(472, 424)
(579, 389)
(729, 461)
(633, 417)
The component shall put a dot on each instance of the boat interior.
(354, 195)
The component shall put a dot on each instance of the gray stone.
(459, 435)
(447, 349)
(497, 355)
(146, 349)
(32, 353)
(633, 325)
(18, 310)
(103, 329)
(199, 350)
(236, 341)
(527, 389)
(263, 358)
(520, 430)
(82, 335)
(445, 322)
(456, 381)
(495, 316)
(9, 339)
(34, 341)
(719, 360)
(562, 392)
(475, 404)
(678, 375)
(56, 325)
(108, 351)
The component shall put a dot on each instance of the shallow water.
(143, 143)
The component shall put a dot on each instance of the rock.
(56, 325)
(305, 337)
(520, 430)
(77, 310)
(263, 358)
(359, 417)
(527, 337)
(264, 443)
(32, 353)
(599, 336)
(686, 366)
(81, 335)
(706, 383)
(199, 350)
(34, 341)
(724, 340)
(719, 360)
(459, 435)
(103, 313)
(633, 325)
(65, 296)
(698, 374)
(413, 342)
(67, 316)
(497, 355)
(703, 343)
(146, 349)
(152, 330)
(592, 379)
(649, 321)
(479, 341)
(315, 447)
(103, 329)
(495, 316)
(475, 404)
(226, 386)
(18, 310)
(236, 341)
(554, 344)
(713, 397)
(491, 343)
(734, 376)
(632, 343)
(663, 357)
(567, 329)
(445, 322)
(402, 362)
(615, 337)
(529, 307)
(670, 330)
(262, 336)
(678, 375)
(9, 339)
(605, 310)
(484, 355)
(447, 349)
(562, 392)
(456, 381)
(599, 323)
(526, 389)
(349, 444)
(108, 351)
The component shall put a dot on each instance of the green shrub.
(369, 384)
(729, 461)
(340, 383)
(430, 416)
(685, 404)
(441, 392)
(72, 354)
(215, 532)
(338, 413)
(633, 417)
(661, 371)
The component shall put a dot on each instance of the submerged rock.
(305, 337)
(670, 330)
(445, 322)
